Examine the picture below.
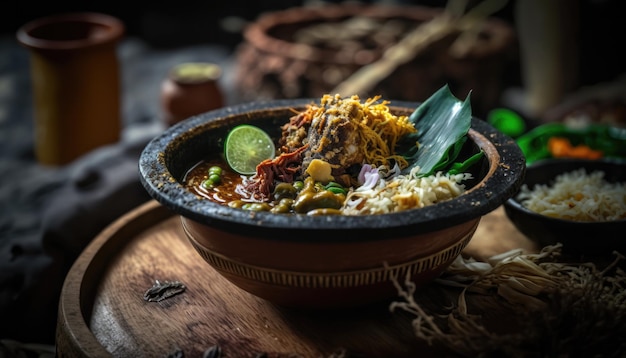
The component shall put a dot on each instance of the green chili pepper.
(333, 184)
(605, 138)
(336, 190)
(507, 122)
(461, 167)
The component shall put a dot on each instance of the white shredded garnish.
(577, 196)
(402, 192)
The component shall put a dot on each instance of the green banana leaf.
(442, 123)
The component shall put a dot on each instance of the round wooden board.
(102, 311)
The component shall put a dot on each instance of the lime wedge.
(246, 146)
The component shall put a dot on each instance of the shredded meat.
(294, 133)
(283, 168)
(335, 135)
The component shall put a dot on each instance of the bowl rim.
(485, 197)
(513, 204)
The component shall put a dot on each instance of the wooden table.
(102, 311)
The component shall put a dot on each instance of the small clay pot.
(190, 89)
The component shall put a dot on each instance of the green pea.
(207, 184)
(298, 184)
(215, 170)
(215, 178)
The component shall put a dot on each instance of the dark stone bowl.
(322, 261)
(582, 239)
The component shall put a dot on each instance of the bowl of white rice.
(578, 203)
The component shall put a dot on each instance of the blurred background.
(562, 56)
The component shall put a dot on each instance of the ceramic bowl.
(578, 238)
(321, 261)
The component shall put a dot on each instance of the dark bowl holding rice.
(579, 203)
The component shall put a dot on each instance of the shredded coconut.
(577, 196)
(403, 192)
